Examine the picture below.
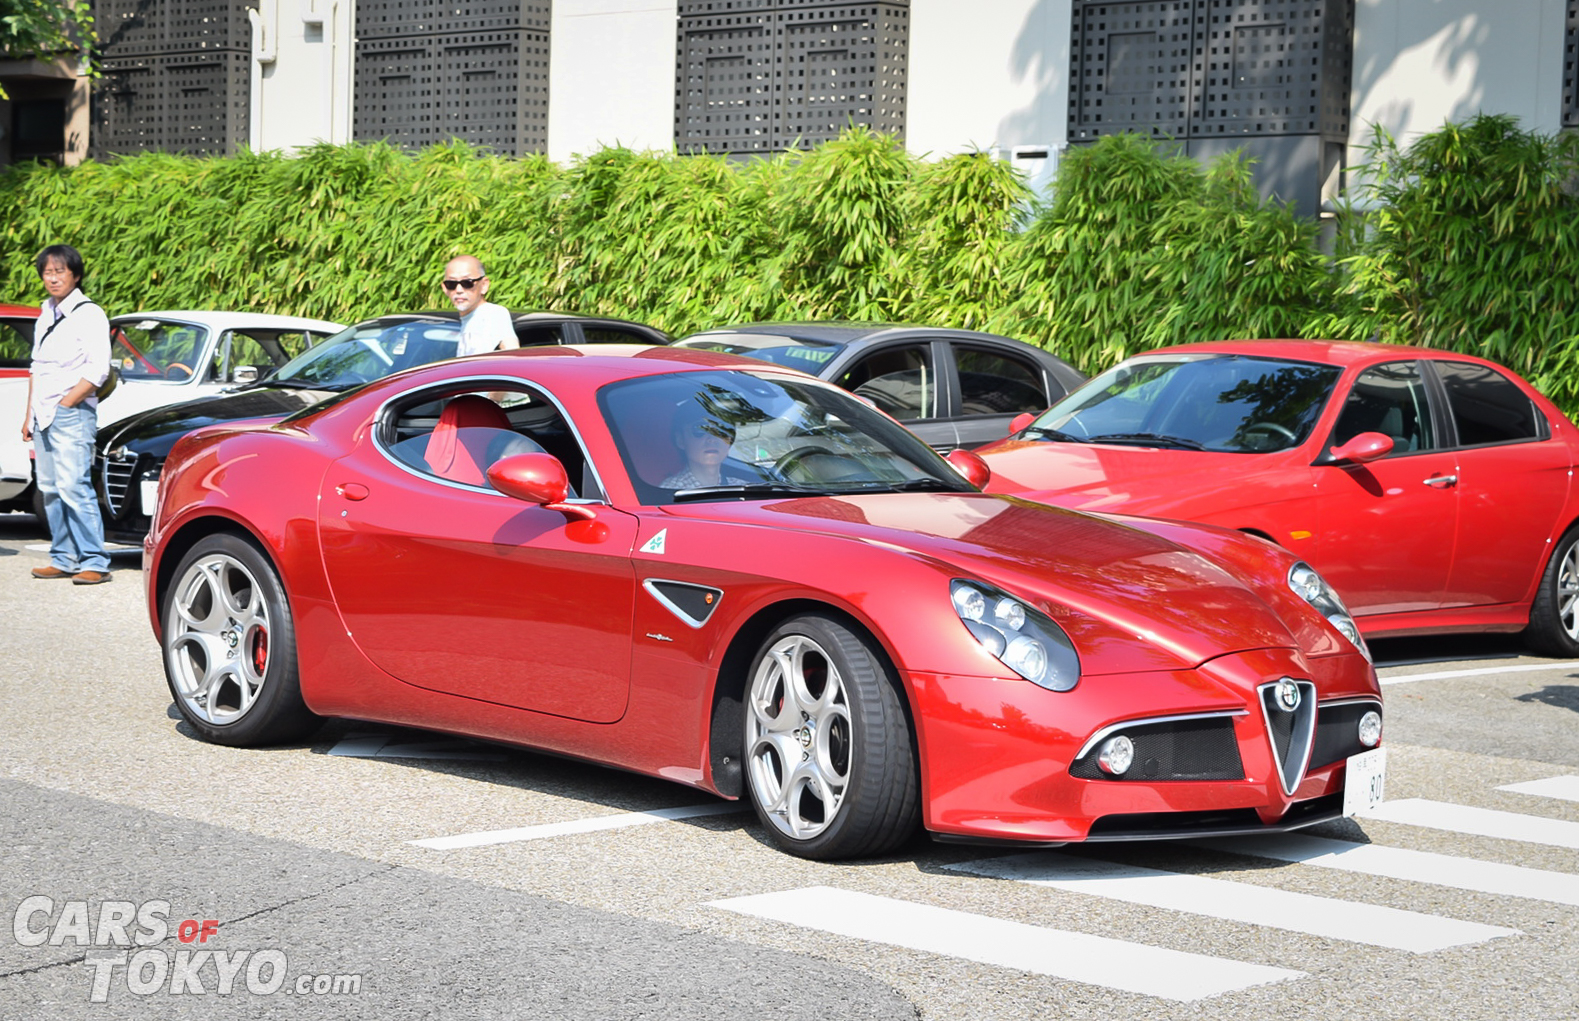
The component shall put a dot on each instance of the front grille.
(1337, 731)
(117, 476)
(1291, 730)
(1202, 748)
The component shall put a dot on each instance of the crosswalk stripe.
(1485, 822)
(1402, 863)
(1565, 788)
(1077, 957)
(1370, 924)
(592, 825)
(1444, 675)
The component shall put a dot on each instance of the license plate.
(150, 495)
(1365, 781)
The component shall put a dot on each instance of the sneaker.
(93, 578)
(50, 572)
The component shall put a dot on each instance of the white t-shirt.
(484, 328)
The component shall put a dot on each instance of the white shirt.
(484, 328)
(71, 343)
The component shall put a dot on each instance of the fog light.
(1117, 754)
(1371, 729)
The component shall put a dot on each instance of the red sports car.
(1434, 490)
(734, 576)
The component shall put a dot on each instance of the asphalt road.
(385, 873)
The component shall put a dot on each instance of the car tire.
(230, 647)
(830, 758)
(1554, 616)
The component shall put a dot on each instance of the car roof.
(19, 310)
(837, 332)
(1330, 352)
(588, 365)
(239, 320)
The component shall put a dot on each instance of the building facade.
(1298, 84)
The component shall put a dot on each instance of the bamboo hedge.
(1466, 239)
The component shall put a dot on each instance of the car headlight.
(1019, 636)
(1313, 588)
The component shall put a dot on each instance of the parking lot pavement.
(427, 864)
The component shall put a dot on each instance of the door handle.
(1441, 481)
(352, 490)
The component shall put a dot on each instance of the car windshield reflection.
(739, 436)
(793, 352)
(369, 351)
(1225, 403)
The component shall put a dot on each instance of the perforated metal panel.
(1204, 68)
(194, 103)
(134, 27)
(763, 75)
(1571, 68)
(487, 88)
(383, 19)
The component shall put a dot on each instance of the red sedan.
(734, 576)
(1433, 490)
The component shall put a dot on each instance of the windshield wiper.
(1048, 432)
(743, 491)
(1150, 440)
(294, 383)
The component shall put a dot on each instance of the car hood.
(155, 432)
(1132, 480)
(1140, 584)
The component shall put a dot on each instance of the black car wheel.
(230, 647)
(830, 761)
(1554, 616)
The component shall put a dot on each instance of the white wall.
(1421, 63)
(302, 53)
(988, 75)
(611, 75)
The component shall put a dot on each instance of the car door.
(1513, 481)
(992, 387)
(1387, 528)
(902, 379)
(454, 587)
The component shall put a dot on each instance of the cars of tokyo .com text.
(125, 944)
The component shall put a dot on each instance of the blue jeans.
(63, 459)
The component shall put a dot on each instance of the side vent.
(691, 603)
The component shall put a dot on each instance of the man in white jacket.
(71, 359)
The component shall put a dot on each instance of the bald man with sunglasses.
(484, 326)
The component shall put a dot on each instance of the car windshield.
(159, 349)
(1219, 402)
(732, 435)
(369, 351)
(793, 352)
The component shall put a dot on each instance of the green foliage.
(45, 27)
(1140, 249)
(1464, 240)
(1469, 240)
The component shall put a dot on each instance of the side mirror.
(536, 478)
(244, 374)
(1362, 448)
(971, 466)
(1020, 421)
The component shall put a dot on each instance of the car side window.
(538, 336)
(457, 436)
(16, 340)
(1488, 407)
(899, 380)
(1388, 399)
(611, 335)
(994, 383)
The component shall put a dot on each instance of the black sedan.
(953, 388)
(131, 452)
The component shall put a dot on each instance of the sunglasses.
(466, 282)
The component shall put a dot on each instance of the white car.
(164, 358)
(169, 357)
